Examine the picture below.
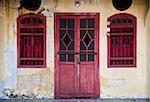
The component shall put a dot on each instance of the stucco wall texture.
(39, 82)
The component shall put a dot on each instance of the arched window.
(121, 40)
(31, 41)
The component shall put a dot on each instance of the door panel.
(76, 55)
(86, 79)
(67, 79)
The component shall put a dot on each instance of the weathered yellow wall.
(114, 83)
(148, 49)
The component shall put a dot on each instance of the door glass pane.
(71, 33)
(82, 46)
(87, 39)
(82, 57)
(82, 33)
(62, 46)
(82, 23)
(71, 46)
(91, 23)
(62, 33)
(91, 33)
(62, 23)
(91, 47)
(90, 57)
(70, 23)
(70, 57)
(62, 57)
(66, 39)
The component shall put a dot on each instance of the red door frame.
(56, 49)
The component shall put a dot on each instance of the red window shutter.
(122, 40)
(31, 40)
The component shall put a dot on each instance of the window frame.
(109, 26)
(43, 25)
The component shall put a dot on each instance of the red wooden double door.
(76, 55)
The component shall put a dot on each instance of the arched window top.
(122, 18)
(31, 19)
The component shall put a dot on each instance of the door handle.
(78, 61)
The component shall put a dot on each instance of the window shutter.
(122, 41)
(31, 41)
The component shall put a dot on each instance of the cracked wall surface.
(39, 82)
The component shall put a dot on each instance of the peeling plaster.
(38, 84)
(46, 12)
(9, 83)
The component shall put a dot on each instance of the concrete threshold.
(74, 100)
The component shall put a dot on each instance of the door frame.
(56, 48)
